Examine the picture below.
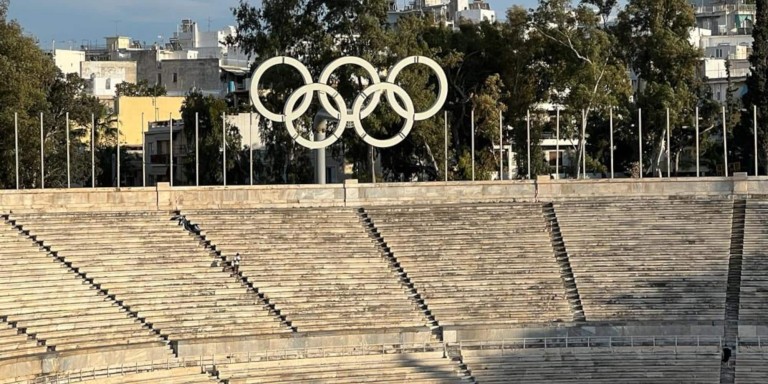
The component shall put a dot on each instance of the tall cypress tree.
(757, 81)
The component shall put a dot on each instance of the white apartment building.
(448, 12)
(724, 32)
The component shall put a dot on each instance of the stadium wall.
(165, 198)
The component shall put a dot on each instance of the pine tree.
(757, 81)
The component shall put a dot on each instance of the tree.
(67, 96)
(488, 108)
(209, 111)
(140, 89)
(27, 73)
(502, 53)
(757, 81)
(317, 32)
(587, 75)
(654, 37)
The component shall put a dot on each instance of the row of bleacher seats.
(41, 296)
(403, 363)
(477, 263)
(421, 367)
(13, 344)
(751, 368)
(125, 375)
(595, 365)
(648, 260)
(753, 301)
(191, 375)
(317, 266)
(157, 270)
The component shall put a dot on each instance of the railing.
(757, 344)
(725, 8)
(594, 342)
(207, 363)
(159, 159)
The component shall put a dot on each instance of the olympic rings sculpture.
(359, 111)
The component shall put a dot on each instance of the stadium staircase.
(405, 281)
(101, 292)
(561, 256)
(733, 292)
(220, 260)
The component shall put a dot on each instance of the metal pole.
(250, 146)
(16, 130)
(584, 143)
(611, 125)
(557, 145)
(501, 146)
(93, 150)
(197, 149)
(143, 153)
(170, 148)
(42, 154)
(725, 144)
(754, 122)
(373, 165)
(445, 145)
(473, 143)
(669, 149)
(528, 125)
(224, 146)
(697, 142)
(118, 150)
(69, 180)
(640, 137)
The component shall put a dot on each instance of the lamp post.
(472, 116)
(557, 143)
(528, 126)
(640, 137)
(611, 128)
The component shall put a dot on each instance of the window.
(175, 77)
(718, 53)
(159, 78)
(108, 84)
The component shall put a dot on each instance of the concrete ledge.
(661, 328)
(55, 362)
(225, 345)
(352, 194)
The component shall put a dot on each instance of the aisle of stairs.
(731, 325)
(75, 270)
(394, 265)
(561, 256)
(220, 261)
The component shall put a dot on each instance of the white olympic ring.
(359, 111)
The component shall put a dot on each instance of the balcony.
(717, 8)
(162, 159)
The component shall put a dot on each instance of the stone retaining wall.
(352, 194)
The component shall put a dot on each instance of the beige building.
(133, 110)
(104, 76)
(68, 61)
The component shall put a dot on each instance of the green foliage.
(33, 86)
(142, 88)
(654, 35)
(559, 53)
(209, 111)
(757, 82)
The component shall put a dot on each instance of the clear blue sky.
(73, 22)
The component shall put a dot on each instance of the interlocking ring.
(359, 110)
